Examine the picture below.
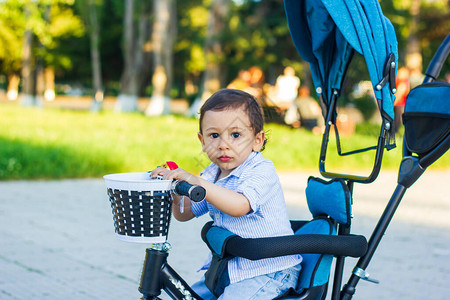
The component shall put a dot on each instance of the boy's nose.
(223, 144)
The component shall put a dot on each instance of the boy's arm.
(227, 201)
(187, 214)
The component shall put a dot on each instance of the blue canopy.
(325, 33)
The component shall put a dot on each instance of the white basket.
(141, 206)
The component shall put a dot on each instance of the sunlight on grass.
(53, 143)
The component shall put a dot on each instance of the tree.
(163, 39)
(135, 52)
(28, 65)
(12, 28)
(413, 55)
(214, 54)
(189, 55)
(40, 25)
(420, 26)
(90, 10)
(33, 51)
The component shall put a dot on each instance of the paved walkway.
(57, 240)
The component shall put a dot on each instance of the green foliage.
(12, 28)
(368, 129)
(50, 21)
(258, 34)
(188, 51)
(366, 105)
(51, 143)
(433, 26)
(255, 34)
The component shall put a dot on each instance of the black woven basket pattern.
(140, 214)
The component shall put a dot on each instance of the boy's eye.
(214, 135)
(235, 135)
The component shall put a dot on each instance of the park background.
(76, 82)
(91, 87)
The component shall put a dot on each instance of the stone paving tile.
(57, 241)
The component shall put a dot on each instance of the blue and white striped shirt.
(257, 180)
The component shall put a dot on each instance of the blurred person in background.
(403, 88)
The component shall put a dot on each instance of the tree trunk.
(145, 47)
(127, 99)
(49, 78)
(28, 95)
(163, 38)
(39, 80)
(134, 56)
(413, 55)
(213, 53)
(33, 66)
(13, 87)
(95, 57)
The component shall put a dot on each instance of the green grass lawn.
(54, 143)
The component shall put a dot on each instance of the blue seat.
(316, 240)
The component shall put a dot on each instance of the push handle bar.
(325, 139)
(194, 192)
(435, 66)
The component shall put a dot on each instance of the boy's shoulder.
(259, 164)
(255, 159)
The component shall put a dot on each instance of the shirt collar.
(210, 172)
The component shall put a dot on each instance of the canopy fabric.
(325, 34)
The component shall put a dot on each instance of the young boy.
(243, 195)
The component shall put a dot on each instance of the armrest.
(348, 245)
(259, 248)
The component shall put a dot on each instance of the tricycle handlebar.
(194, 192)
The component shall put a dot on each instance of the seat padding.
(331, 198)
(315, 267)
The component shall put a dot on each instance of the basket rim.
(135, 181)
(142, 239)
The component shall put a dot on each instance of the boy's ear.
(259, 141)
(200, 137)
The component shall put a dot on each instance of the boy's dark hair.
(231, 98)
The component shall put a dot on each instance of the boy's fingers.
(157, 171)
(169, 175)
(178, 174)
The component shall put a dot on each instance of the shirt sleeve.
(199, 208)
(258, 184)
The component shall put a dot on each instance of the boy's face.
(228, 139)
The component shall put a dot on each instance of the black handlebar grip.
(194, 192)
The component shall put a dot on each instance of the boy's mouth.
(224, 158)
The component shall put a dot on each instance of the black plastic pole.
(150, 286)
(340, 260)
(377, 235)
(157, 275)
(438, 60)
(339, 268)
(175, 286)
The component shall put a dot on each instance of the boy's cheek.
(208, 147)
(205, 148)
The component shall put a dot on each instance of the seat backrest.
(329, 198)
(328, 201)
(315, 267)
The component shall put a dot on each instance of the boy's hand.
(159, 171)
(178, 174)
